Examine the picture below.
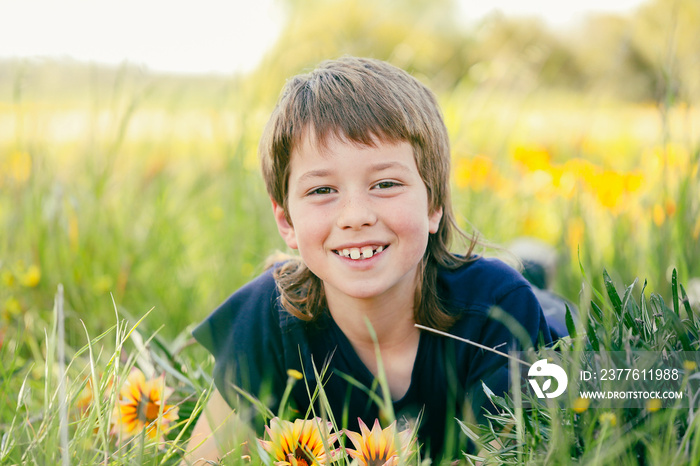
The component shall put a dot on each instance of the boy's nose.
(355, 213)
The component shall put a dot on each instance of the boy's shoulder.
(479, 284)
(260, 291)
(252, 309)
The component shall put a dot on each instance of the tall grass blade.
(62, 398)
(674, 292)
(570, 325)
(612, 293)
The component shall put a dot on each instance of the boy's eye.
(321, 190)
(386, 184)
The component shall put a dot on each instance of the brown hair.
(364, 100)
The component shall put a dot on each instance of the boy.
(356, 161)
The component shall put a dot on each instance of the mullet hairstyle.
(364, 101)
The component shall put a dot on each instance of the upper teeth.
(355, 253)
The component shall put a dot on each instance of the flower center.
(377, 461)
(147, 410)
(302, 457)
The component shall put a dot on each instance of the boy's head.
(363, 101)
(360, 100)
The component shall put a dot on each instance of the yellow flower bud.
(31, 277)
(581, 404)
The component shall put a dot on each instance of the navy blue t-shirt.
(255, 342)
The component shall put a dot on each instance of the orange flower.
(532, 158)
(300, 443)
(141, 405)
(379, 447)
(475, 173)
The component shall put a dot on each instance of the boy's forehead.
(310, 139)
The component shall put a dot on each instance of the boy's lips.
(360, 252)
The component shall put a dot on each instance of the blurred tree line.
(652, 54)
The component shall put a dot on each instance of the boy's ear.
(284, 227)
(434, 220)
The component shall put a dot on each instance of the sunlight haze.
(197, 37)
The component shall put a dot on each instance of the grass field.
(140, 198)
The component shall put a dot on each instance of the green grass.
(41, 396)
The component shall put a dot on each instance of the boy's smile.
(358, 216)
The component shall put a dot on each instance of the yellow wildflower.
(633, 181)
(609, 419)
(653, 405)
(475, 173)
(533, 158)
(609, 187)
(563, 181)
(31, 277)
(690, 366)
(11, 307)
(300, 443)
(295, 374)
(142, 405)
(658, 215)
(379, 447)
(581, 404)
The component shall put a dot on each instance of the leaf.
(592, 337)
(628, 295)
(686, 305)
(612, 293)
(674, 292)
(689, 311)
(598, 313)
(467, 431)
(648, 322)
(488, 391)
(626, 314)
(677, 327)
(570, 326)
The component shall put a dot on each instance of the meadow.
(131, 205)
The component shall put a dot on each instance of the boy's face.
(359, 217)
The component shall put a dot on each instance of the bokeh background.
(138, 187)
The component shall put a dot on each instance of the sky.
(199, 36)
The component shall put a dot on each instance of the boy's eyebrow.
(314, 174)
(377, 167)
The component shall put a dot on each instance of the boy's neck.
(398, 338)
(391, 318)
